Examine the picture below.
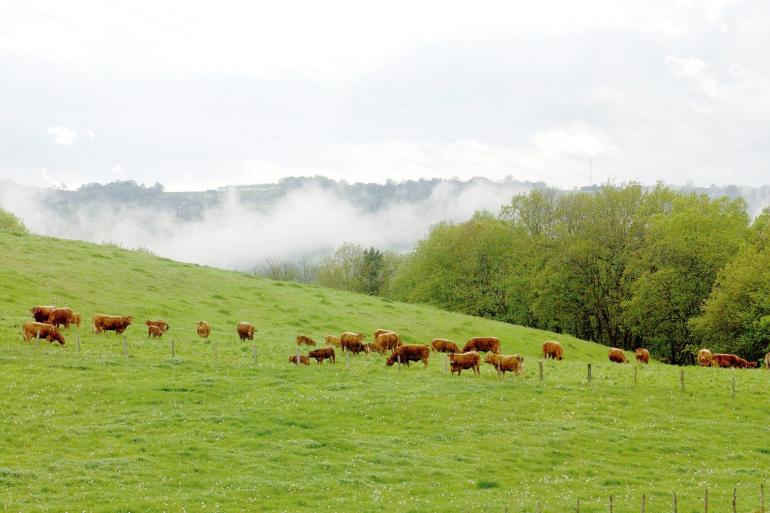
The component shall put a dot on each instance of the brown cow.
(552, 349)
(705, 358)
(304, 360)
(352, 342)
(60, 317)
(331, 340)
(203, 329)
(374, 348)
(41, 313)
(505, 363)
(43, 330)
(483, 344)
(388, 341)
(379, 332)
(75, 319)
(442, 345)
(246, 330)
(409, 353)
(302, 339)
(322, 354)
(154, 331)
(727, 360)
(767, 361)
(162, 325)
(642, 355)
(116, 323)
(617, 355)
(469, 360)
(745, 364)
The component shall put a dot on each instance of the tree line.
(624, 265)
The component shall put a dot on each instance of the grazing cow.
(116, 323)
(302, 339)
(728, 360)
(246, 330)
(324, 353)
(75, 319)
(44, 330)
(409, 353)
(617, 355)
(154, 331)
(506, 363)
(331, 340)
(60, 317)
(442, 345)
(374, 348)
(203, 329)
(352, 342)
(483, 344)
(388, 341)
(379, 332)
(41, 313)
(304, 360)
(705, 358)
(552, 349)
(162, 325)
(767, 361)
(642, 355)
(469, 360)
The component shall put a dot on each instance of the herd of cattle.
(48, 320)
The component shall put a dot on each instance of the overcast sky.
(198, 95)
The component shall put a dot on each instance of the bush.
(9, 223)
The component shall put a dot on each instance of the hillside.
(97, 431)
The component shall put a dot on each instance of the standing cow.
(42, 330)
(246, 331)
(442, 345)
(60, 317)
(160, 324)
(203, 329)
(352, 342)
(41, 313)
(617, 355)
(303, 340)
(552, 349)
(469, 360)
(116, 323)
(409, 353)
(505, 363)
(323, 353)
(642, 355)
(483, 344)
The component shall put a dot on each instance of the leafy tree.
(9, 223)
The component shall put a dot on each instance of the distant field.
(97, 431)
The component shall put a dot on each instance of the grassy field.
(99, 431)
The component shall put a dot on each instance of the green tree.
(688, 241)
(9, 223)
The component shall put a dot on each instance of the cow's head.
(390, 361)
(55, 335)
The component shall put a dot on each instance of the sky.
(199, 95)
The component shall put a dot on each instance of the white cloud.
(574, 140)
(62, 135)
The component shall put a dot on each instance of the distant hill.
(300, 217)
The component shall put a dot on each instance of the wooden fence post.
(446, 364)
(541, 369)
(125, 346)
(173, 349)
(577, 507)
(643, 500)
(77, 339)
(347, 359)
(399, 362)
(636, 370)
(589, 372)
(681, 379)
(298, 357)
(37, 337)
(611, 504)
(762, 498)
(539, 507)
(706, 501)
(674, 502)
(256, 354)
(216, 353)
(735, 493)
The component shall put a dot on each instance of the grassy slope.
(99, 432)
